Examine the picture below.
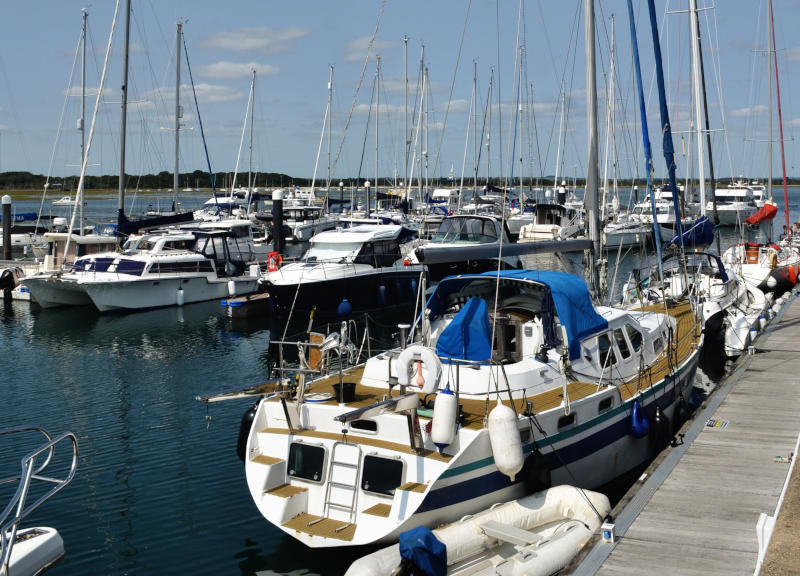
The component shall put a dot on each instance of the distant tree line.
(270, 180)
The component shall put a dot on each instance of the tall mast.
(406, 141)
(712, 180)
(698, 103)
(780, 122)
(124, 114)
(330, 114)
(769, 57)
(252, 116)
(474, 129)
(666, 130)
(592, 176)
(82, 121)
(178, 111)
(648, 150)
(377, 116)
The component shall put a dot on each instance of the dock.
(708, 504)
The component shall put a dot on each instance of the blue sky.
(292, 46)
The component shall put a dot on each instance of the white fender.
(444, 419)
(427, 357)
(505, 440)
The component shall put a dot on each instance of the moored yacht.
(346, 270)
(530, 381)
(167, 268)
(461, 231)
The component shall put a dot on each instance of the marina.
(572, 354)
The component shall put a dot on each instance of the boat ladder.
(342, 490)
(34, 465)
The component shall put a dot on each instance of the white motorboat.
(29, 551)
(771, 268)
(304, 216)
(551, 222)
(166, 268)
(345, 270)
(734, 203)
(459, 232)
(536, 535)
(544, 383)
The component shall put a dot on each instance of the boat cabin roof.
(358, 234)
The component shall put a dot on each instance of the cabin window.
(306, 461)
(658, 345)
(635, 337)
(566, 421)
(364, 425)
(525, 435)
(132, 267)
(604, 405)
(607, 356)
(622, 344)
(381, 475)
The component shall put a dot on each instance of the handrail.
(30, 472)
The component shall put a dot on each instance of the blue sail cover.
(469, 335)
(421, 547)
(701, 233)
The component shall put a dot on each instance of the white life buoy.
(431, 361)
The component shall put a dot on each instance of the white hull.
(50, 291)
(35, 549)
(158, 292)
(464, 484)
(303, 231)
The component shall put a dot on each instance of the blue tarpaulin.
(469, 335)
(701, 233)
(421, 548)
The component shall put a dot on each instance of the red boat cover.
(766, 212)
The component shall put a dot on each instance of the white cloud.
(262, 39)
(228, 70)
(211, 93)
(356, 50)
(794, 122)
(793, 53)
(756, 110)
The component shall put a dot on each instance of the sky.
(294, 47)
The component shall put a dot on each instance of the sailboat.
(508, 381)
(771, 267)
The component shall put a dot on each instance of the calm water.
(159, 489)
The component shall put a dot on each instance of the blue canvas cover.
(701, 233)
(421, 547)
(469, 335)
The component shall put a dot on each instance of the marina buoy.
(381, 295)
(640, 426)
(444, 419)
(344, 308)
(180, 297)
(244, 431)
(231, 288)
(505, 441)
(762, 322)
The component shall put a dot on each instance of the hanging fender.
(640, 426)
(427, 357)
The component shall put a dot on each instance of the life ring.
(274, 260)
(427, 357)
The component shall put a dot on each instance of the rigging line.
(364, 145)
(515, 103)
(358, 88)
(499, 85)
(715, 63)
(780, 118)
(58, 132)
(452, 87)
(200, 121)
